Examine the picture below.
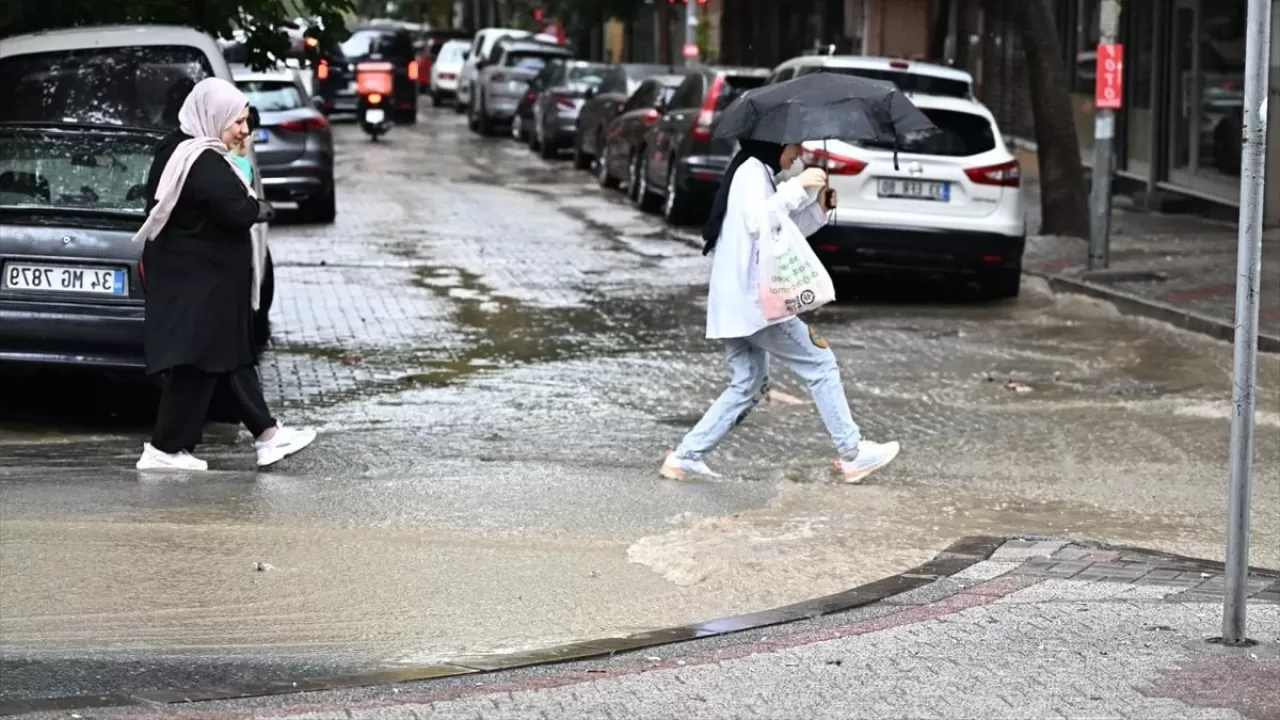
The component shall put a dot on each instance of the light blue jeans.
(807, 355)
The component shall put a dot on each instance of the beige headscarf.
(211, 108)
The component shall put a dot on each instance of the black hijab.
(766, 152)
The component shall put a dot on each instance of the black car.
(683, 164)
(603, 103)
(385, 43)
(624, 138)
(558, 96)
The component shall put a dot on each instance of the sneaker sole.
(169, 468)
(862, 474)
(671, 473)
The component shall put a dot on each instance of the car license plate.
(914, 189)
(261, 136)
(374, 116)
(66, 278)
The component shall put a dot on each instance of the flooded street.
(497, 355)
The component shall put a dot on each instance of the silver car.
(502, 85)
(293, 142)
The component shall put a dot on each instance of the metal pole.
(1248, 270)
(690, 30)
(1104, 132)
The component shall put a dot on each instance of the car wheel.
(267, 295)
(642, 195)
(1002, 284)
(676, 206)
(603, 176)
(483, 122)
(322, 209)
(547, 148)
(458, 106)
(473, 120)
(581, 160)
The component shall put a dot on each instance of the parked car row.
(947, 203)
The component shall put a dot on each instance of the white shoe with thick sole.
(871, 457)
(284, 443)
(153, 459)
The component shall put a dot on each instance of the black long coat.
(199, 269)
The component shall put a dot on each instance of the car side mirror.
(255, 120)
(591, 92)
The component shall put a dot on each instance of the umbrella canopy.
(822, 106)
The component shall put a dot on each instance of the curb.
(958, 556)
(1130, 304)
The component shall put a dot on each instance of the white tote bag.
(791, 279)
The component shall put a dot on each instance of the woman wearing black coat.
(200, 274)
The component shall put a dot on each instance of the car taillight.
(834, 163)
(142, 274)
(650, 116)
(448, 76)
(322, 70)
(305, 124)
(530, 95)
(702, 126)
(413, 69)
(374, 98)
(1007, 174)
(565, 101)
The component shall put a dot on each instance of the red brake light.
(650, 116)
(565, 100)
(835, 164)
(322, 70)
(530, 95)
(142, 274)
(305, 124)
(413, 69)
(1004, 175)
(702, 126)
(899, 65)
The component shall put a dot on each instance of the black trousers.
(185, 399)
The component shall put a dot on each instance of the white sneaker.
(153, 459)
(871, 457)
(678, 468)
(284, 443)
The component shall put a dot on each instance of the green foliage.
(260, 20)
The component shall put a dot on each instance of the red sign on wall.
(1109, 90)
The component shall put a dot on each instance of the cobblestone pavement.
(1184, 263)
(1043, 629)
(497, 355)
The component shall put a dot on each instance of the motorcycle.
(374, 85)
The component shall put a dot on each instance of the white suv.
(951, 202)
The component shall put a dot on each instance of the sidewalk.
(1035, 629)
(1176, 268)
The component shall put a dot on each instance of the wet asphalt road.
(497, 355)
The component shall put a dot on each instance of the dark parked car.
(624, 137)
(386, 43)
(334, 82)
(293, 142)
(501, 86)
(427, 48)
(558, 99)
(683, 163)
(603, 104)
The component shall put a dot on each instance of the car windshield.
(388, 43)
(272, 95)
(75, 169)
(140, 86)
(734, 86)
(529, 61)
(960, 134)
(587, 75)
(910, 83)
(451, 53)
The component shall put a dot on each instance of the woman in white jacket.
(748, 195)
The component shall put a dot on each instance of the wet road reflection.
(497, 355)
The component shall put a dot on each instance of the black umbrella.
(821, 106)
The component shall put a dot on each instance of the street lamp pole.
(1108, 96)
(1248, 271)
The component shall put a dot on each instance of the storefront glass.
(1139, 20)
(1206, 95)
